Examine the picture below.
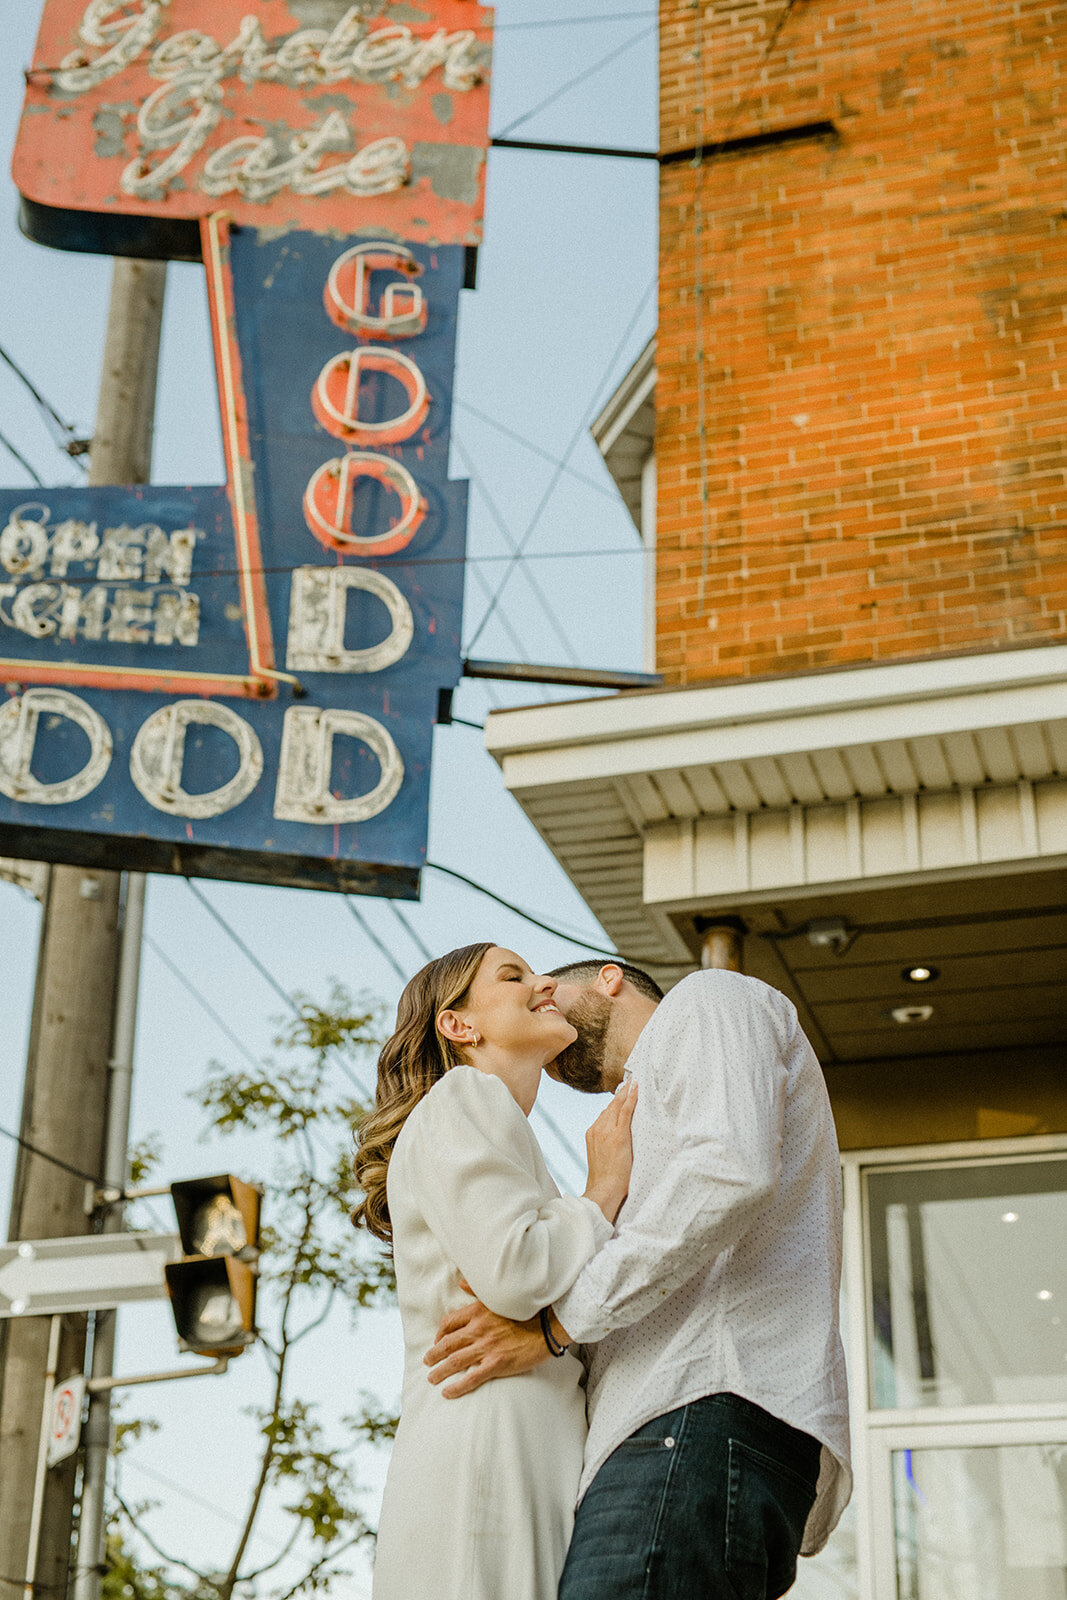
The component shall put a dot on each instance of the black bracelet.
(554, 1346)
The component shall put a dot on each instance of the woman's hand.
(611, 1153)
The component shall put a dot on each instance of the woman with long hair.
(480, 1495)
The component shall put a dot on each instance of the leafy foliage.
(311, 1261)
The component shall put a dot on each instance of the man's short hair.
(586, 972)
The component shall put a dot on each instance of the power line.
(269, 978)
(423, 949)
(505, 533)
(527, 916)
(535, 449)
(566, 22)
(572, 83)
(204, 1004)
(379, 944)
(48, 411)
(21, 459)
(554, 480)
(56, 1161)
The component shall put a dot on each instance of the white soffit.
(600, 779)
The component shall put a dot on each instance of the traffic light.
(213, 1288)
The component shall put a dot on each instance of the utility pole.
(65, 1100)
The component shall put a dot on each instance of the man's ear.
(611, 979)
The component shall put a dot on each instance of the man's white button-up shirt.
(724, 1271)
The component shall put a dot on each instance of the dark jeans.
(705, 1503)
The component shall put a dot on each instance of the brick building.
(847, 454)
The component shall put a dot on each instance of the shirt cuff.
(602, 1228)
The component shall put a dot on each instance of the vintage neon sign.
(167, 108)
(243, 680)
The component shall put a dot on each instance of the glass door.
(959, 1380)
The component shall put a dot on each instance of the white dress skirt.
(480, 1494)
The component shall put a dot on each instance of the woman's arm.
(470, 1167)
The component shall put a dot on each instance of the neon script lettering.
(179, 117)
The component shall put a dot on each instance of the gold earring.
(474, 1042)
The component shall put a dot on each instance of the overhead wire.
(269, 978)
(572, 83)
(71, 444)
(535, 449)
(566, 22)
(46, 1155)
(557, 474)
(379, 944)
(21, 459)
(509, 539)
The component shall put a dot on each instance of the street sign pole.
(93, 1519)
(65, 1097)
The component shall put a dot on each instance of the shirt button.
(669, 1442)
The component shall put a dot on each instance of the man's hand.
(483, 1346)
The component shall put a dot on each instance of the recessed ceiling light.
(1010, 1216)
(920, 974)
(906, 1014)
(1044, 1294)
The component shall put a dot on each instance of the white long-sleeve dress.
(480, 1494)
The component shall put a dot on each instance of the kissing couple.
(637, 1393)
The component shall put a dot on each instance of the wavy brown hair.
(411, 1062)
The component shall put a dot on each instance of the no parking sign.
(64, 1433)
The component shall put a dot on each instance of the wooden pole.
(65, 1097)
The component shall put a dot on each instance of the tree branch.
(230, 1580)
(318, 1321)
(173, 1561)
(331, 1555)
(257, 1572)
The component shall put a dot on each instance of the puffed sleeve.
(469, 1166)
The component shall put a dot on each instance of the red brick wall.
(884, 334)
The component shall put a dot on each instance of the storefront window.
(986, 1523)
(969, 1289)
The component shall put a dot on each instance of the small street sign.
(65, 1431)
(42, 1277)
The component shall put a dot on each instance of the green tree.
(312, 1260)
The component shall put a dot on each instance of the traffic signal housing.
(213, 1287)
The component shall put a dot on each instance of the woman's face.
(510, 1008)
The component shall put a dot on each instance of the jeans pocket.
(767, 1507)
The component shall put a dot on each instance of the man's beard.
(581, 1064)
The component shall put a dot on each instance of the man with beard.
(718, 1412)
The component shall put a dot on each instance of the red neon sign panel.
(179, 108)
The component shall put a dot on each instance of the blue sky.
(569, 258)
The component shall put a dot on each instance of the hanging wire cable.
(572, 83)
(509, 539)
(379, 944)
(567, 22)
(527, 916)
(21, 459)
(46, 1155)
(204, 1004)
(558, 473)
(70, 443)
(412, 933)
(269, 978)
(535, 449)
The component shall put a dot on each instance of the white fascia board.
(628, 398)
(655, 731)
